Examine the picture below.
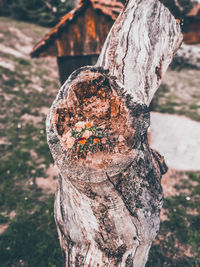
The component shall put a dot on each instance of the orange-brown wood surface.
(192, 37)
(85, 36)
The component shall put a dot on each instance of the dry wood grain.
(140, 46)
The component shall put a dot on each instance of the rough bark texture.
(109, 194)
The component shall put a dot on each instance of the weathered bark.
(140, 46)
(109, 194)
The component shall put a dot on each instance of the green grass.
(179, 94)
(23, 61)
(181, 231)
(30, 238)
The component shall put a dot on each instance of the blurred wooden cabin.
(78, 38)
(192, 36)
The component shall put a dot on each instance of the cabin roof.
(110, 8)
(195, 11)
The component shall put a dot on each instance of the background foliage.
(49, 12)
(43, 12)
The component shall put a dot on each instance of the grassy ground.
(27, 89)
(27, 229)
(178, 242)
(179, 94)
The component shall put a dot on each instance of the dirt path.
(177, 138)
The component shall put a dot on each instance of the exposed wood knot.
(96, 117)
(158, 72)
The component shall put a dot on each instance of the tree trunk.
(109, 195)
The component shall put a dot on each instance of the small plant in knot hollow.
(90, 138)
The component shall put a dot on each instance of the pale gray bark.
(140, 46)
(109, 195)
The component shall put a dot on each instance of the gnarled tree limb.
(109, 194)
(140, 46)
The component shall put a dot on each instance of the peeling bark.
(109, 195)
